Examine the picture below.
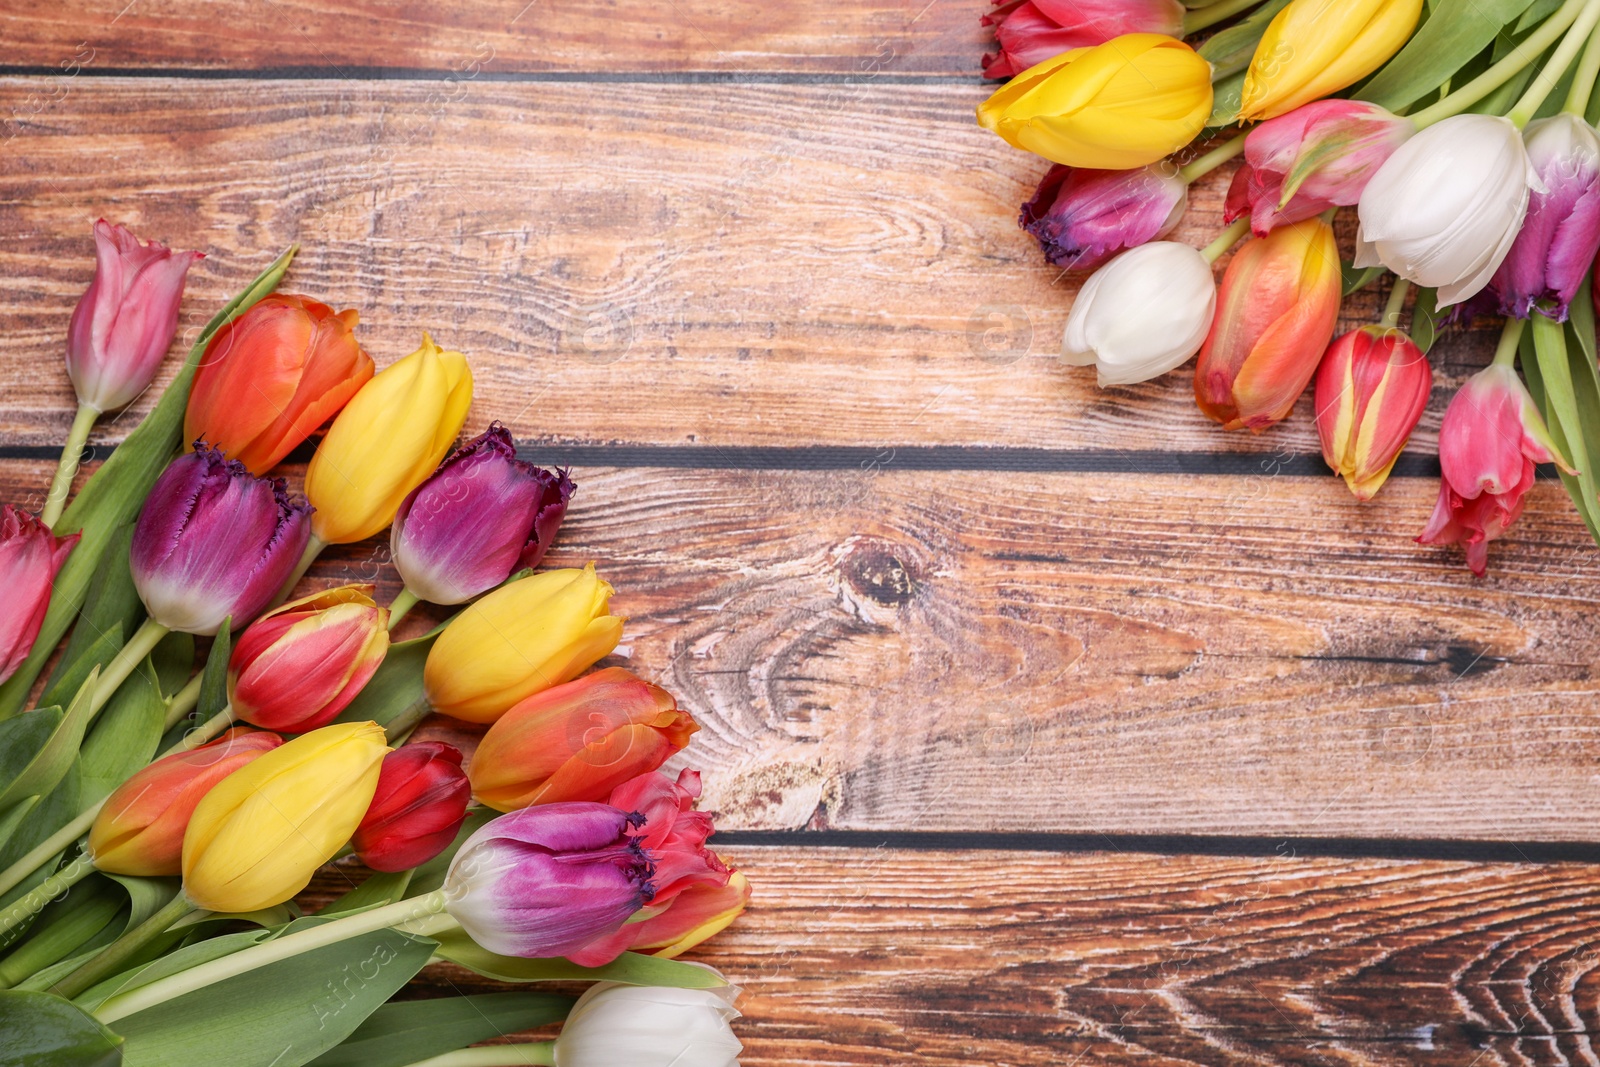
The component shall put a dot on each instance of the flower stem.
(67, 469)
(402, 724)
(31, 902)
(115, 956)
(1397, 301)
(140, 645)
(1583, 78)
(536, 1054)
(1500, 73)
(1544, 81)
(1213, 159)
(1211, 14)
(280, 948)
(202, 733)
(182, 702)
(1506, 354)
(1225, 240)
(314, 549)
(401, 606)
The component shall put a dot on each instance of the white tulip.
(650, 1026)
(1444, 210)
(1142, 314)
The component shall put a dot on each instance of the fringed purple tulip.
(547, 880)
(482, 515)
(1082, 218)
(125, 321)
(30, 556)
(214, 541)
(1561, 232)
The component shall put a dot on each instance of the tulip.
(1116, 106)
(614, 1025)
(1314, 48)
(126, 319)
(272, 376)
(1490, 440)
(1278, 306)
(1032, 31)
(299, 665)
(1082, 218)
(262, 832)
(214, 541)
(1142, 314)
(1560, 235)
(1372, 387)
(388, 438)
(672, 833)
(521, 639)
(548, 880)
(30, 556)
(482, 515)
(1319, 156)
(139, 830)
(420, 803)
(1444, 209)
(578, 741)
(695, 915)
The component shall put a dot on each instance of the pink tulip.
(1082, 218)
(1032, 31)
(30, 556)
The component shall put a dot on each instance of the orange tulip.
(1276, 311)
(274, 375)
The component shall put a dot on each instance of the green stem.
(53, 845)
(66, 470)
(182, 702)
(1583, 78)
(32, 902)
(403, 602)
(314, 549)
(115, 956)
(1211, 14)
(65, 934)
(202, 733)
(140, 645)
(1550, 349)
(1506, 353)
(397, 728)
(1503, 71)
(1544, 81)
(1226, 240)
(535, 1054)
(210, 973)
(1397, 301)
(1212, 160)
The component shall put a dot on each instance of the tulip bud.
(30, 556)
(214, 541)
(388, 438)
(125, 321)
(1082, 218)
(673, 833)
(1142, 314)
(1490, 440)
(546, 881)
(1314, 48)
(272, 376)
(1445, 208)
(262, 832)
(696, 914)
(1279, 303)
(1560, 234)
(140, 829)
(1315, 157)
(615, 1025)
(299, 665)
(1116, 106)
(420, 803)
(521, 639)
(578, 741)
(482, 515)
(1372, 387)
(1032, 31)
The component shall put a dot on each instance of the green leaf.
(214, 679)
(143, 897)
(50, 761)
(1358, 278)
(1229, 51)
(45, 1031)
(177, 960)
(173, 660)
(1456, 31)
(1227, 98)
(1426, 318)
(13, 816)
(63, 927)
(630, 968)
(111, 611)
(403, 1033)
(124, 736)
(59, 807)
(113, 495)
(1537, 12)
(396, 686)
(381, 888)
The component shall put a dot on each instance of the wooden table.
(1052, 724)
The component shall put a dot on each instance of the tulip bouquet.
(208, 736)
(1462, 135)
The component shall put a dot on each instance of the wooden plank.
(657, 264)
(905, 650)
(887, 957)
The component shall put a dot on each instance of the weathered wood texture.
(715, 265)
(888, 957)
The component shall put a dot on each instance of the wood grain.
(889, 957)
(661, 264)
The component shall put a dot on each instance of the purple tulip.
(1084, 217)
(214, 541)
(1561, 232)
(482, 515)
(547, 880)
(125, 321)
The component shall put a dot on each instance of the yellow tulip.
(520, 640)
(386, 441)
(260, 833)
(1116, 106)
(1316, 47)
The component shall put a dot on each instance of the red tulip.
(672, 833)
(420, 804)
(1372, 387)
(30, 556)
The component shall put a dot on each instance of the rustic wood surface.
(753, 270)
